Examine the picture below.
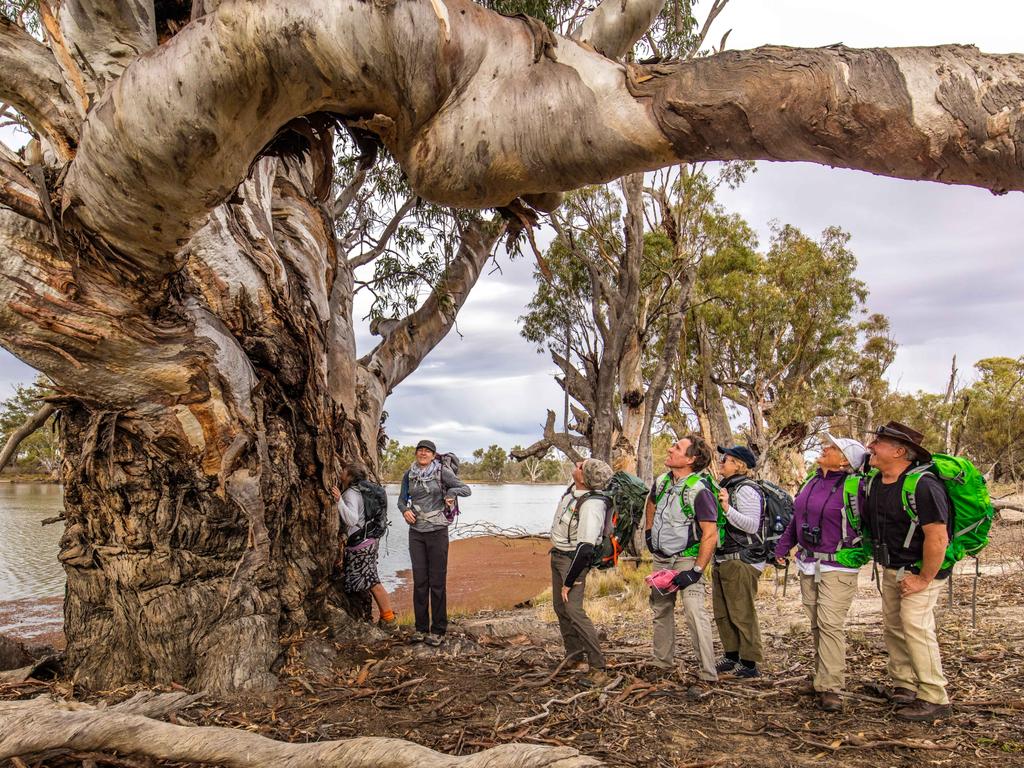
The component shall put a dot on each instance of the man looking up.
(681, 533)
(910, 545)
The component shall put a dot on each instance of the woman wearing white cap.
(824, 534)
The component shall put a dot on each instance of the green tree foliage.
(395, 459)
(784, 337)
(39, 452)
(492, 462)
(983, 420)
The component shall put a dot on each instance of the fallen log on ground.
(44, 724)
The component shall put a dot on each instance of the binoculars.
(811, 535)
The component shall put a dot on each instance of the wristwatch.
(698, 569)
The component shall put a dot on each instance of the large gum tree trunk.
(169, 258)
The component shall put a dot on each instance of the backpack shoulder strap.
(666, 481)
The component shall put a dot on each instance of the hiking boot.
(923, 712)
(830, 702)
(598, 678)
(806, 689)
(700, 690)
(417, 637)
(726, 665)
(433, 641)
(902, 696)
(746, 672)
(388, 625)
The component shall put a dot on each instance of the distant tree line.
(489, 465)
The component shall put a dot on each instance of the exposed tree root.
(42, 724)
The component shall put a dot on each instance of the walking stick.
(785, 578)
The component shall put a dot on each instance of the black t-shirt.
(889, 522)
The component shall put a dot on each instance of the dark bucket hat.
(901, 433)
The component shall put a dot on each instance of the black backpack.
(375, 513)
(778, 512)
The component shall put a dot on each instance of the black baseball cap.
(740, 452)
(428, 444)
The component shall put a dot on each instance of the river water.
(30, 572)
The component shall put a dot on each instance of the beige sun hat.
(596, 474)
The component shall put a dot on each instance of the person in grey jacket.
(426, 501)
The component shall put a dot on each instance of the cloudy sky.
(944, 263)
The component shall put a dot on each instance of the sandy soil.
(487, 573)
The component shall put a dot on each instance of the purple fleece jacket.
(819, 503)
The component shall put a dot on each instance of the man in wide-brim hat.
(910, 545)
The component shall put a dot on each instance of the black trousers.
(429, 555)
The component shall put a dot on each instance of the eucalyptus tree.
(170, 259)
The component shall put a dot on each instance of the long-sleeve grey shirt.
(426, 499)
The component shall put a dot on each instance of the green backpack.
(859, 551)
(712, 485)
(625, 498)
(972, 508)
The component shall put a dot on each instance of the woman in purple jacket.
(819, 529)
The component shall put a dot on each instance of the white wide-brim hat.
(853, 450)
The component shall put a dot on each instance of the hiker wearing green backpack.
(825, 529)
(681, 533)
(579, 526)
(907, 511)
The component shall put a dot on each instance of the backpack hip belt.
(817, 557)
(729, 556)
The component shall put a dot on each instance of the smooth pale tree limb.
(73, 78)
(108, 34)
(615, 25)
(32, 423)
(31, 81)
(38, 725)
(500, 120)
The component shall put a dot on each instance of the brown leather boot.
(830, 702)
(902, 696)
(923, 711)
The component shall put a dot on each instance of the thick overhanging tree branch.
(950, 114)
(31, 81)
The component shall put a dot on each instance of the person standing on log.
(428, 490)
